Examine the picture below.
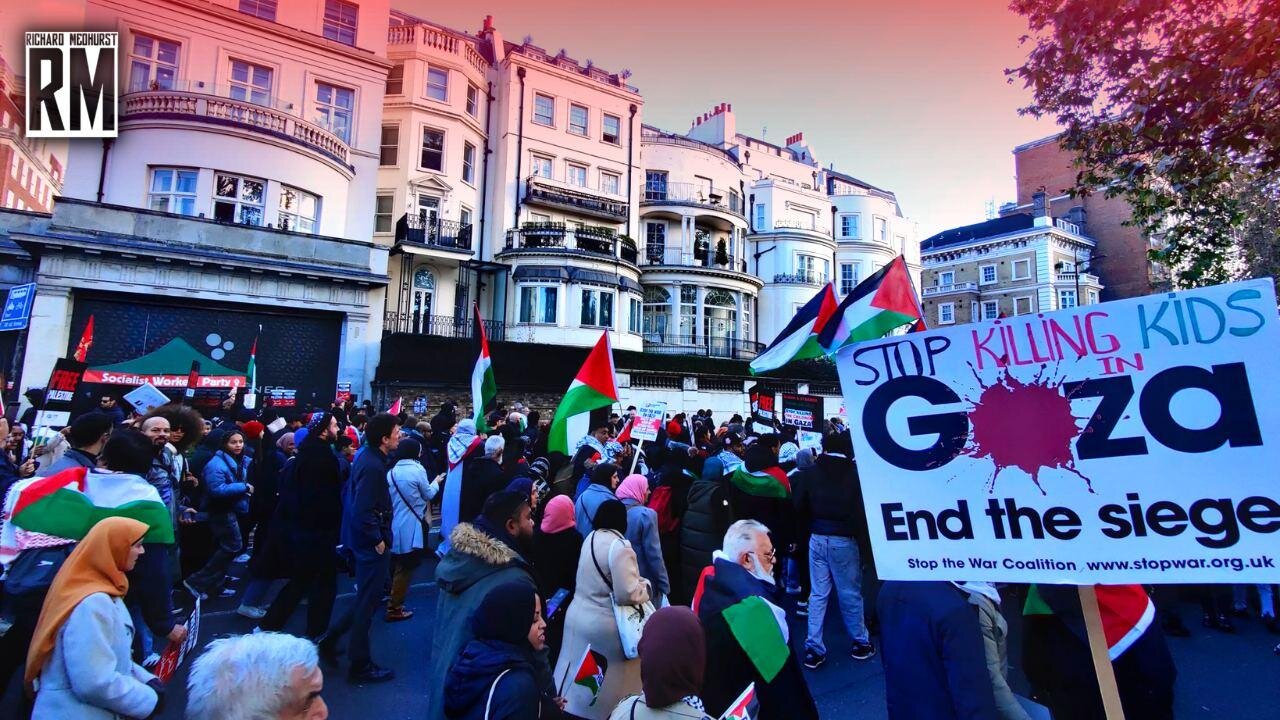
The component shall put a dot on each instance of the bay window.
(538, 304)
(238, 199)
(299, 210)
(597, 308)
(173, 190)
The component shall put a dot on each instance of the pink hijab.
(558, 516)
(635, 487)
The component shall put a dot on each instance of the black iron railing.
(582, 201)
(552, 235)
(681, 193)
(660, 255)
(720, 347)
(800, 278)
(440, 325)
(446, 234)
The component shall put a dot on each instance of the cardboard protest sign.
(145, 398)
(648, 421)
(60, 395)
(343, 394)
(802, 411)
(1129, 442)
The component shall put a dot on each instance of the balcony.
(227, 112)
(438, 38)
(801, 278)
(547, 193)
(440, 325)
(709, 259)
(717, 347)
(1070, 278)
(676, 193)
(555, 236)
(952, 288)
(441, 234)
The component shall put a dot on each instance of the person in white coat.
(411, 495)
(79, 662)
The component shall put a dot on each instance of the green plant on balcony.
(542, 228)
(597, 231)
(722, 252)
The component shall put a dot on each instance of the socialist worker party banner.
(1135, 441)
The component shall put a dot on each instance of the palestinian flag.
(1127, 611)
(799, 339)
(746, 707)
(251, 372)
(757, 626)
(879, 305)
(592, 388)
(69, 503)
(769, 482)
(483, 387)
(396, 406)
(591, 672)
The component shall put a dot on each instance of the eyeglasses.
(770, 556)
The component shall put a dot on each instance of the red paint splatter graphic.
(1024, 425)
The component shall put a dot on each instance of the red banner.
(214, 382)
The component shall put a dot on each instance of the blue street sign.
(17, 309)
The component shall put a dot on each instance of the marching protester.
(482, 475)
(260, 675)
(366, 534)
(80, 661)
(87, 435)
(747, 635)
(642, 533)
(496, 676)
(411, 495)
(227, 492)
(556, 549)
(608, 575)
(708, 514)
(604, 481)
(483, 555)
(306, 529)
(673, 658)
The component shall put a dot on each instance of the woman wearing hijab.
(604, 480)
(79, 660)
(673, 657)
(227, 488)
(556, 548)
(494, 677)
(607, 574)
(411, 493)
(642, 533)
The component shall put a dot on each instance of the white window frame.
(1093, 297)
(597, 317)
(854, 219)
(635, 320)
(395, 76)
(262, 9)
(880, 229)
(760, 217)
(468, 163)
(586, 120)
(296, 219)
(238, 203)
(466, 216)
(338, 28)
(422, 145)
(1019, 299)
(389, 214)
(946, 278)
(383, 146)
(569, 170)
(982, 274)
(617, 182)
(154, 65)
(945, 309)
(173, 196)
(327, 112)
(538, 310)
(847, 286)
(551, 122)
(473, 100)
(550, 163)
(1063, 294)
(441, 89)
(604, 123)
(248, 90)
(1026, 262)
(990, 304)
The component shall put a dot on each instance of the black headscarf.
(673, 656)
(611, 515)
(603, 474)
(505, 614)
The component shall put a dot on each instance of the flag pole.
(635, 458)
(1098, 650)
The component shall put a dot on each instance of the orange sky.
(905, 94)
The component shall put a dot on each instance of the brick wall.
(1125, 269)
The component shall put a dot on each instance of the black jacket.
(367, 521)
(777, 514)
(706, 519)
(827, 497)
(473, 690)
(555, 561)
(305, 526)
(481, 477)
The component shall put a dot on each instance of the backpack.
(662, 501)
(32, 572)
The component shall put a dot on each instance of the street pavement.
(1219, 675)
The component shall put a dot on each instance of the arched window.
(423, 279)
(656, 294)
(657, 313)
(720, 298)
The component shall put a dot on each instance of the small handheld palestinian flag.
(593, 388)
(746, 707)
(591, 673)
(484, 388)
(769, 482)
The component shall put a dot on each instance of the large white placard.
(1135, 441)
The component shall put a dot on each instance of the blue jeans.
(834, 561)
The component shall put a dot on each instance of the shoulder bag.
(629, 618)
(422, 519)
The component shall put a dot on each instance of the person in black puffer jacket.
(494, 678)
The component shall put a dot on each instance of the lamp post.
(1078, 268)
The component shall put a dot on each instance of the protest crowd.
(624, 579)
